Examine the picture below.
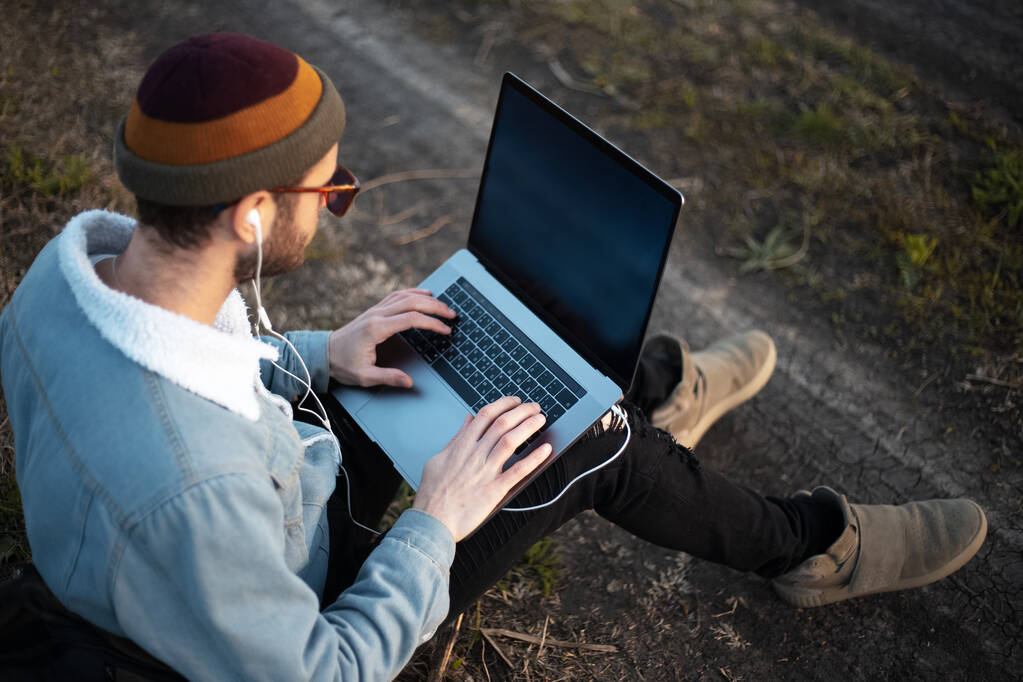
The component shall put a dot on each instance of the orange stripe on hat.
(246, 130)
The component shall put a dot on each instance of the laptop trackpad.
(412, 425)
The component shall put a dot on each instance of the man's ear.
(244, 222)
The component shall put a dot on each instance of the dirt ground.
(882, 416)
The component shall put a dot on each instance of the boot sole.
(805, 597)
(759, 380)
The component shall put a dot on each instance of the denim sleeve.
(203, 586)
(312, 348)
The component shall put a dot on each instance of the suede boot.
(715, 380)
(885, 548)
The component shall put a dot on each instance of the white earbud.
(252, 218)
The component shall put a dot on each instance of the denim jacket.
(170, 498)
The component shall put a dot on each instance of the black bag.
(40, 640)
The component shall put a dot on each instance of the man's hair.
(186, 227)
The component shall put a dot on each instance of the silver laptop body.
(571, 341)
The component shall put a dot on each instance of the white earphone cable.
(628, 436)
(321, 416)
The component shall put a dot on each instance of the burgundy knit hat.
(223, 115)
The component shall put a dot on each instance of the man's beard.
(283, 252)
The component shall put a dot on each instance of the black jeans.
(656, 490)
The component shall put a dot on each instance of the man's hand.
(352, 349)
(463, 482)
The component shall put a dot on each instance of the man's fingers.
(510, 425)
(400, 293)
(389, 326)
(423, 303)
(505, 439)
(488, 413)
(385, 376)
(421, 321)
(524, 466)
(407, 310)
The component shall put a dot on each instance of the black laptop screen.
(574, 225)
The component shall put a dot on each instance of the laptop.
(553, 291)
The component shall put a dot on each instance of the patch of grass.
(764, 116)
(694, 50)
(848, 58)
(779, 245)
(851, 90)
(48, 178)
(819, 127)
(997, 191)
(650, 119)
(764, 51)
(912, 259)
(612, 16)
(614, 70)
(537, 570)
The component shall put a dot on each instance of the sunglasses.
(339, 192)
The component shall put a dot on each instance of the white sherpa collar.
(219, 363)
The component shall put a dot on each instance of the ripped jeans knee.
(644, 434)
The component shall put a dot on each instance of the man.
(171, 497)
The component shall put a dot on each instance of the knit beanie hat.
(220, 116)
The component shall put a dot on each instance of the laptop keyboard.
(486, 357)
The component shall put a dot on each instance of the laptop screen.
(573, 226)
